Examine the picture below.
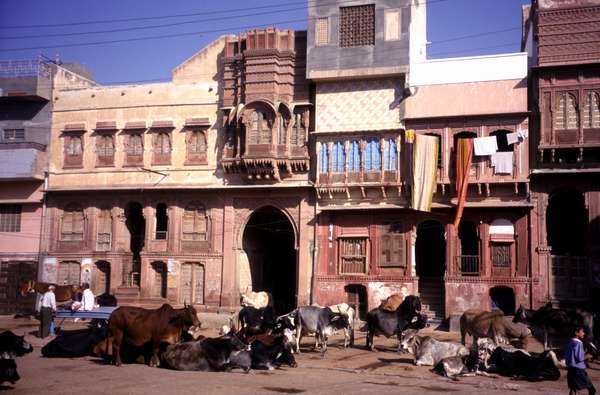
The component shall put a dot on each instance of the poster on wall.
(49, 273)
(86, 270)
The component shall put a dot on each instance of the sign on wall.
(86, 270)
(50, 270)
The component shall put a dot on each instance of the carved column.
(229, 292)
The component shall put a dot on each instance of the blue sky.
(147, 60)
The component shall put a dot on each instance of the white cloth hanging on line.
(503, 162)
(485, 145)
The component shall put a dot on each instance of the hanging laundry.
(485, 145)
(424, 171)
(464, 157)
(503, 162)
(512, 138)
(523, 134)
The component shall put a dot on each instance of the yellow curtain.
(425, 152)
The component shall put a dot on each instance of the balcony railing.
(468, 265)
(353, 265)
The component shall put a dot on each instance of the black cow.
(106, 299)
(519, 363)
(75, 344)
(12, 346)
(272, 354)
(388, 324)
(8, 371)
(254, 321)
(320, 321)
(208, 355)
(559, 322)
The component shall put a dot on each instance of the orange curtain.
(464, 156)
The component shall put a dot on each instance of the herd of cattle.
(169, 337)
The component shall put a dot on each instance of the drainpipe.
(41, 243)
(315, 256)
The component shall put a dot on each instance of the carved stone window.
(259, 129)
(353, 255)
(281, 131)
(297, 135)
(392, 246)
(73, 150)
(104, 231)
(194, 223)
(565, 112)
(105, 149)
(357, 25)
(591, 110)
(135, 149)
(71, 224)
(196, 147)
(161, 149)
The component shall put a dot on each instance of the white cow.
(350, 313)
(258, 300)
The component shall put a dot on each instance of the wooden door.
(69, 273)
(192, 283)
(159, 286)
(101, 278)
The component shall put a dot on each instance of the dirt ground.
(350, 371)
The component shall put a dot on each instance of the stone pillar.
(304, 255)
(229, 292)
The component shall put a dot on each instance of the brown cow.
(392, 302)
(137, 327)
(62, 293)
(493, 325)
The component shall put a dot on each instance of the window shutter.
(323, 167)
(188, 225)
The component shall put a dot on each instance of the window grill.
(357, 25)
(353, 255)
(10, 218)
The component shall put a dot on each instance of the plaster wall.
(360, 105)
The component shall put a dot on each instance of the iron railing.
(468, 265)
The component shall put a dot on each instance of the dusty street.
(340, 372)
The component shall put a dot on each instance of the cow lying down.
(486, 358)
(228, 352)
(427, 350)
(74, 344)
(207, 355)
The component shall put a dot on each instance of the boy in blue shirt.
(577, 377)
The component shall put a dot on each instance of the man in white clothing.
(88, 300)
(47, 308)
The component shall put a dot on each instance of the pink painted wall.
(28, 239)
(470, 98)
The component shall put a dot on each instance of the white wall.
(469, 69)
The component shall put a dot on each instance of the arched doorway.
(503, 298)
(356, 295)
(159, 283)
(430, 254)
(268, 242)
(136, 224)
(101, 278)
(566, 231)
